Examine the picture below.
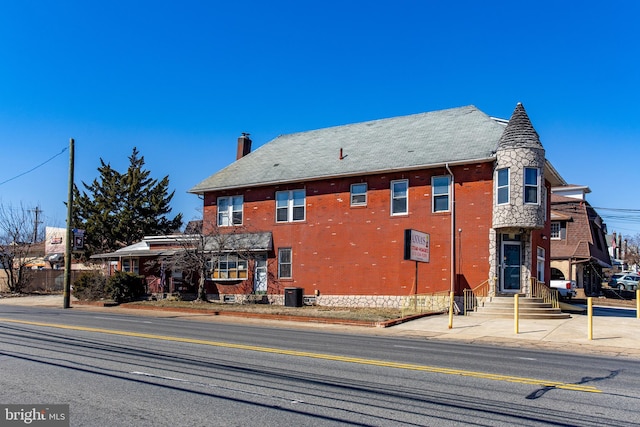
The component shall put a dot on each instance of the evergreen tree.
(119, 209)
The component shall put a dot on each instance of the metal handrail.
(473, 298)
(541, 290)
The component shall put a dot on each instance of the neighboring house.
(621, 254)
(145, 258)
(337, 202)
(55, 242)
(31, 257)
(579, 249)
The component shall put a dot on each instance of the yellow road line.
(373, 362)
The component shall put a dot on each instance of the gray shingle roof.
(455, 135)
(520, 133)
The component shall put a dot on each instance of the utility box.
(293, 297)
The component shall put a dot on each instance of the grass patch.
(344, 313)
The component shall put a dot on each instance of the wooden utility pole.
(36, 221)
(68, 244)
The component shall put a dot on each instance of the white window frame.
(556, 230)
(290, 205)
(527, 186)
(228, 217)
(437, 196)
(395, 196)
(503, 186)
(359, 197)
(281, 263)
(540, 263)
(229, 267)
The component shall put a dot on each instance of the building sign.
(78, 239)
(416, 246)
(55, 240)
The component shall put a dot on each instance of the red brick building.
(336, 203)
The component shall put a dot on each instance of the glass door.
(511, 267)
(260, 281)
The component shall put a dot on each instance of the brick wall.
(345, 250)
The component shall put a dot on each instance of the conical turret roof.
(519, 132)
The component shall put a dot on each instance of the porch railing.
(437, 302)
(476, 297)
(541, 290)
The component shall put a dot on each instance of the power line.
(34, 168)
(620, 216)
(617, 209)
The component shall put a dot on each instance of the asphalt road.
(128, 370)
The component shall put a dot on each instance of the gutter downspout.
(453, 228)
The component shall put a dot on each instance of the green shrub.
(123, 286)
(90, 286)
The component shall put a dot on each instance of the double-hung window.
(555, 230)
(399, 197)
(440, 186)
(531, 185)
(359, 194)
(290, 206)
(284, 263)
(230, 210)
(502, 186)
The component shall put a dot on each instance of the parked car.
(565, 288)
(624, 281)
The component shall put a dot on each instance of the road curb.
(265, 316)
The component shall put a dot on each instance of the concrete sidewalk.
(616, 330)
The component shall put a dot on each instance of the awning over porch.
(592, 260)
(140, 249)
(240, 242)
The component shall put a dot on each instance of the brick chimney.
(244, 146)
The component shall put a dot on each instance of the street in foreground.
(129, 370)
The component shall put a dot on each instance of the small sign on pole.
(78, 239)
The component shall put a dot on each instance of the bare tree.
(632, 252)
(212, 252)
(19, 236)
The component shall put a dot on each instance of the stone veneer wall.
(493, 261)
(432, 302)
(525, 270)
(516, 213)
(517, 217)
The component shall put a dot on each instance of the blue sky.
(181, 80)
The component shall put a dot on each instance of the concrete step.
(528, 308)
(542, 316)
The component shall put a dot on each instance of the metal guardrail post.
(516, 313)
(450, 310)
(590, 318)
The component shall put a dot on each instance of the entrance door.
(511, 268)
(260, 281)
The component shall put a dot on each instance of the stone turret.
(520, 161)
